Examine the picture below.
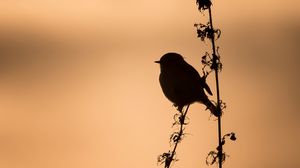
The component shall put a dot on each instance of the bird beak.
(158, 62)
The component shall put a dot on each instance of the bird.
(182, 84)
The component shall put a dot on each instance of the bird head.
(170, 59)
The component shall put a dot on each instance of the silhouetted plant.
(213, 156)
(176, 137)
(207, 31)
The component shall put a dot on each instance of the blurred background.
(79, 87)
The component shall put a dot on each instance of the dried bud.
(232, 137)
(203, 4)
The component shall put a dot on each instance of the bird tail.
(213, 108)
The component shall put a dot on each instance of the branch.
(176, 137)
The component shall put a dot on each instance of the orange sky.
(78, 86)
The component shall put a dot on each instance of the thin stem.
(183, 115)
(215, 65)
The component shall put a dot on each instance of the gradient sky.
(79, 87)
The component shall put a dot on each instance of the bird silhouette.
(182, 84)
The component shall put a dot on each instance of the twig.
(176, 137)
(182, 123)
(215, 67)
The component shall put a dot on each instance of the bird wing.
(202, 80)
